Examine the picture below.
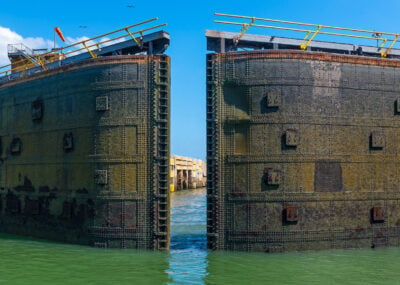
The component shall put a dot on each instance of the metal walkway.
(218, 41)
(385, 41)
(119, 42)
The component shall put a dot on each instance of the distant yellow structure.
(186, 173)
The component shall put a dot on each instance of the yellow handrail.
(384, 37)
(243, 31)
(385, 52)
(110, 40)
(305, 45)
(74, 48)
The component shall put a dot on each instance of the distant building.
(187, 173)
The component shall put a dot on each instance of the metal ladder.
(161, 94)
(27, 53)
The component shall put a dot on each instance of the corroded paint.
(302, 151)
(78, 169)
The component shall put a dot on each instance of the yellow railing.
(311, 30)
(89, 45)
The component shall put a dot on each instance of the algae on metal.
(302, 151)
(85, 151)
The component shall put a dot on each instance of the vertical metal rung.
(243, 31)
(306, 44)
(138, 42)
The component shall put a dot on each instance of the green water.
(28, 261)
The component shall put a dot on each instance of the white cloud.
(92, 44)
(107, 41)
(71, 41)
(8, 36)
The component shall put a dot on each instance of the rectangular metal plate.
(291, 138)
(290, 213)
(377, 139)
(101, 177)
(102, 103)
(273, 99)
(274, 177)
(378, 214)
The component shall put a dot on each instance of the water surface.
(30, 261)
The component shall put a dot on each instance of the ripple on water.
(28, 261)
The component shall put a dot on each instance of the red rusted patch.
(246, 207)
(132, 228)
(300, 55)
(359, 229)
(290, 214)
(379, 242)
(377, 214)
(238, 192)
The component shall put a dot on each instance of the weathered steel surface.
(220, 41)
(302, 151)
(85, 149)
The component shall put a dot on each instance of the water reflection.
(188, 255)
(359, 267)
(29, 261)
(190, 263)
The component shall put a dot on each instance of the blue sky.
(187, 22)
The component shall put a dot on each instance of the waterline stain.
(29, 261)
